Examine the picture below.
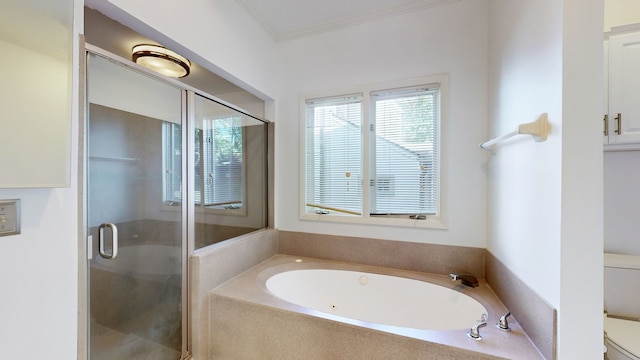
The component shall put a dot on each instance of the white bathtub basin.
(375, 298)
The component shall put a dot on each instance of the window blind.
(334, 155)
(172, 162)
(218, 159)
(222, 161)
(404, 151)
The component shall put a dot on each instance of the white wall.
(38, 268)
(620, 12)
(622, 202)
(444, 39)
(38, 275)
(218, 35)
(581, 287)
(49, 164)
(525, 177)
(545, 199)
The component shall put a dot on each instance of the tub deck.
(248, 322)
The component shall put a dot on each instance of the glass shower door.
(135, 214)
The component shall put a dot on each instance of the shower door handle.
(114, 241)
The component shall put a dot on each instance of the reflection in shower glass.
(229, 182)
(135, 298)
(139, 143)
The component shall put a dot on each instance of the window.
(404, 151)
(334, 155)
(218, 149)
(220, 162)
(172, 163)
(397, 157)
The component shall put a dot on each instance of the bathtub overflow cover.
(363, 280)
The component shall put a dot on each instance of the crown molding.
(259, 18)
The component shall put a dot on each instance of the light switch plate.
(9, 217)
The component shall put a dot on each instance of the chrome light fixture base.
(161, 60)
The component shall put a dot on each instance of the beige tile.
(245, 328)
(245, 331)
(215, 264)
(437, 259)
(534, 314)
(248, 322)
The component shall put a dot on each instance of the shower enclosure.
(168, 170)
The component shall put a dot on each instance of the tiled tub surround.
(248, 322)
(211, 266)
(430, 258)
(207, 234)
(537, 317)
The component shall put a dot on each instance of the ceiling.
(287, 19)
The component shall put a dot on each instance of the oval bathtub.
(376, 298)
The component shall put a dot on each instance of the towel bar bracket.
(539, 129)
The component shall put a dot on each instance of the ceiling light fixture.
(161, 60)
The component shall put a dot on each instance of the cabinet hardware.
(606, 125)
(619, 120)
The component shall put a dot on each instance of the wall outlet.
(9, 217)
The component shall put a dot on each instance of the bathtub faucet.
(474, 333)
(468, 280)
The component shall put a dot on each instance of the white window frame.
(168, 200)
(199, 207)
(221, 209)
(437, 221)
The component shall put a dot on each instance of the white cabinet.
(623, 110)
(35, 93)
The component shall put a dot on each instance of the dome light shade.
(161, 60)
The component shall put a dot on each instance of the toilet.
(622, 306)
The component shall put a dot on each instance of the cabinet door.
(35, 93)
(624, 89)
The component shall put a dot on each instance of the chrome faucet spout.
(466, 279)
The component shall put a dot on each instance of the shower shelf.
(113, 158)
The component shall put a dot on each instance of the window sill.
(431, 222)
